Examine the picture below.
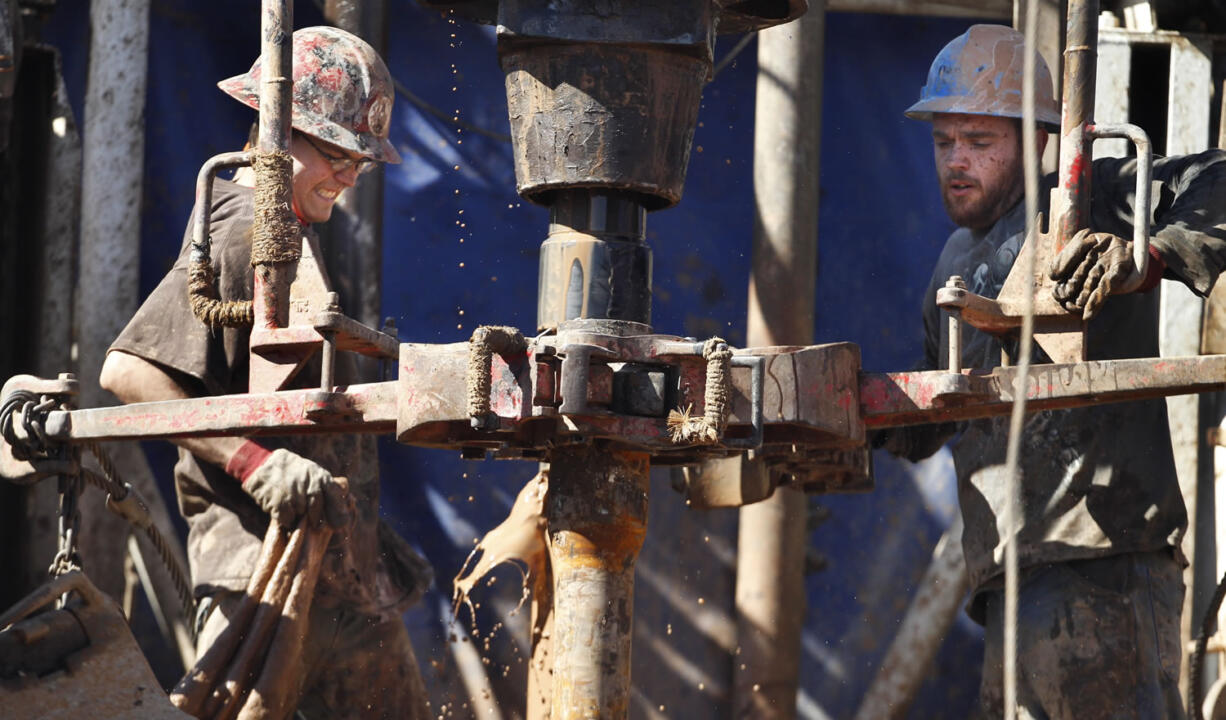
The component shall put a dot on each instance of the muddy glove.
(1093, 266)
(289, 486)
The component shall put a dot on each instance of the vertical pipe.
(597, 512)
(770, 596)
(271, 282)
(1072, 207)
(112, 169)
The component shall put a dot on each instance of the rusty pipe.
(1071, 206)
(597, 514)
(270, 292)
(204, 195)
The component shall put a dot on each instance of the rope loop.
(487, 340)
(685, 429)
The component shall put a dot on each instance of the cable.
(1017, 419)
(117, 490)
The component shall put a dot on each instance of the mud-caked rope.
(277, 236)
(486, 341)
(202, 295)
(708, 429)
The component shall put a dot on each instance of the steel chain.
(68, 557)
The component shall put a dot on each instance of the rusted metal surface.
(359, 408)
(895, 399)
(272, 280)
(810, 397)
(597, 518)
(603, 116)
(1071, 199)
(93, 667)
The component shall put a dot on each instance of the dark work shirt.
(225, 525)
(1101, 480)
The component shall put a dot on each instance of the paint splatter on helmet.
(980, 73)
(342, 92)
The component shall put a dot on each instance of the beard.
(980, 210)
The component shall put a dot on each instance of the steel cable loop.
(117, 490)
(18, 400)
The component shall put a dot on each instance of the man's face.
(315, 184)
(979, 165)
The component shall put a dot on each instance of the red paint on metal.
(1072, 181)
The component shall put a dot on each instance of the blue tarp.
(460, 249)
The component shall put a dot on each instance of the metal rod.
(1072, 207)
(597, 515)
(1143, 200)
(204, 192)
(270, 294)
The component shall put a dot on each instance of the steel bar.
(368, 408)
(885, 400)
(909, 398)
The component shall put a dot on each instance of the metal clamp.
(757, 366)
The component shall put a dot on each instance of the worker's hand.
(289, 486)
(1091, 267)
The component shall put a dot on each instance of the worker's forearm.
(133, 379)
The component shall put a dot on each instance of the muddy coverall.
(1101, 591)
(357, 659)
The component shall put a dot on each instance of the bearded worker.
(357, 661)
(1102, 517)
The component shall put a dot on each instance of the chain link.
(68, 557)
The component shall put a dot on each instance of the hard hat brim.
(365, 144)
(957, 105)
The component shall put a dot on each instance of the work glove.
(1093, 266)
(288, 486)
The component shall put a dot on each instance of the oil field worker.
(1101, 589)
(357, 659)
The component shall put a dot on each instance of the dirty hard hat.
(342, 92)
(980, 73)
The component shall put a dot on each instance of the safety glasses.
(340, 163)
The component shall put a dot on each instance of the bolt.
(333, 303)
(955, 328)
